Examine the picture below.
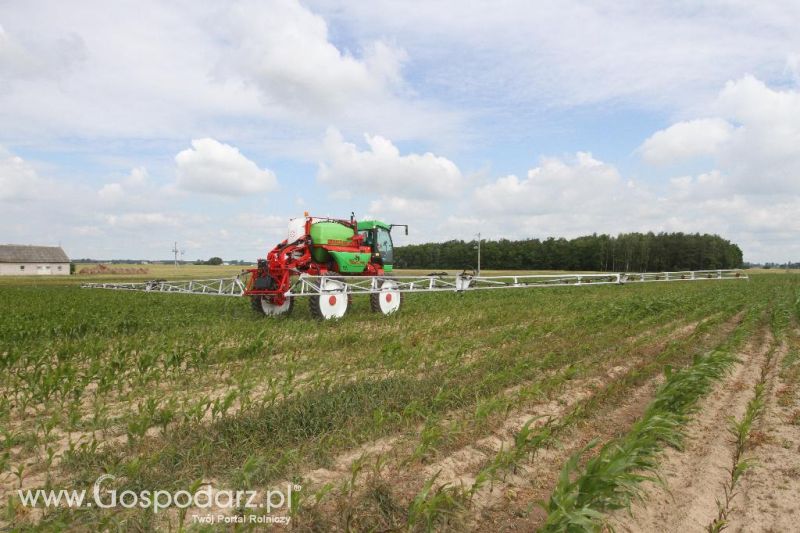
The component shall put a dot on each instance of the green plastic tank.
(323, 232)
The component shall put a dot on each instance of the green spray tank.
(330, 240)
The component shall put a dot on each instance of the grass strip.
(611, 479)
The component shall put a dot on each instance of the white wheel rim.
(389, 297)
(270, 308)
(332, 299)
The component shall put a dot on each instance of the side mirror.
(399, 226)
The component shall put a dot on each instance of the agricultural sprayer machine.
(330, 260)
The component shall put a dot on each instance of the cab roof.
(371, 224)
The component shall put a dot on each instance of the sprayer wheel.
(332, 301)
(349, 294)
(262, 305)
(387, 301)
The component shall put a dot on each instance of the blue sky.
(126, 126)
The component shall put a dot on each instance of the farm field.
(154, 271)
(460, 412)
(170, 272)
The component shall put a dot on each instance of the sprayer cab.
(378, 236)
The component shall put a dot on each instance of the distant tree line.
(627, 252)
(212, 261)
(788, 265)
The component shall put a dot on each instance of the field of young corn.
(559, 410)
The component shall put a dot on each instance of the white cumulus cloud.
(18, 180)
(752, 142)
(212, 167)
(284, 49)
(687, 139)
(554, 186)
(762, 156)
(131, 189)
(141, 220)
(383, 170)
(397, 209)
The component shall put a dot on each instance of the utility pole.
(175, 252)
(479, 254)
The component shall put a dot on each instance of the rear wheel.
(388, 300)
(332, 301)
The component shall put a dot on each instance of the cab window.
(384, 243)
(367, 237)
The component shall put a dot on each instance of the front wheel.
(388, 300)
(332, 301)
(264, 305)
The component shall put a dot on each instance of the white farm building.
(21, 260)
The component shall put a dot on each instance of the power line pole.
(175, 252)
(479, 253)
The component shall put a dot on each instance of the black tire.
(313, 304)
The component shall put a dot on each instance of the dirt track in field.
(770, 492)
(766, 497)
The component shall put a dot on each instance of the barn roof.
(18, 253)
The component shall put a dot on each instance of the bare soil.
(694, 477)
(770, 491)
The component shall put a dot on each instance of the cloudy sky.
(125, 126)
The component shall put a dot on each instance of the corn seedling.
(432, 508)
(740, 431)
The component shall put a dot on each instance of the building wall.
(34, 269)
